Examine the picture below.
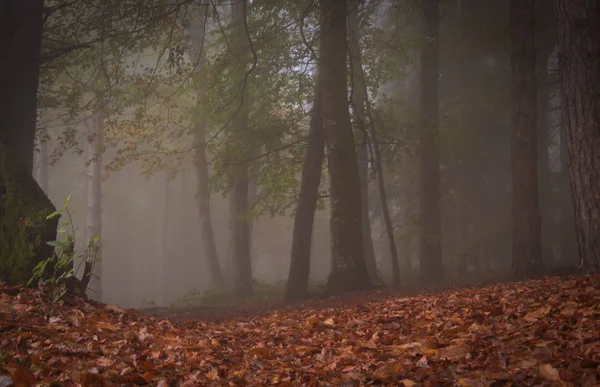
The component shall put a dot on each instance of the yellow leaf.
(549, 373)
(212, 374)
(329, 322)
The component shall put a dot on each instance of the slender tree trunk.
(164, 240)
(239, 187)
(240, 232)
(359, 100)
(203, 200)
(527, 260)
(92, 272)
(197, 35)
(304, 216)
(431, 269)
(579, 50)
(348, 268)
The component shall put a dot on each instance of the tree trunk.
(579, 47)
(527, 259)
(544, 173)
(304, 216)
(164, 251)
(348, 268)
(240, 232)
(359, 100)
(93, 228)
(431, 269)
(567, 229)
(24, 230)
(239, 184)
(197, 35)
(21, 30)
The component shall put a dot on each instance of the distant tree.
(431, 269)
(358, 103)
(92, 273)
(579, 58)
(308, 197)
(526, 260)
(238, 174)
(197, 32)
(348, 268)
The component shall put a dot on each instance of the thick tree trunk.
(431, 269)
(348, 268)
(297, 283)
(359, 101)
(21, 30)
(24, 230)
(197, 34)
(579, 50)
(239, 181)
(527, 260)
(93, 228)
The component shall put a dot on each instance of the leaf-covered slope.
(542, 332)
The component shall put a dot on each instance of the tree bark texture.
(348, 268)
(579, 58)
(24, 230)
(526, 260)
(431, 269)
(21, 30)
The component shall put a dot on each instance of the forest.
(307, 192)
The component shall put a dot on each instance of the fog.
(152, 249)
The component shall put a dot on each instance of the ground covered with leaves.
(543, 332)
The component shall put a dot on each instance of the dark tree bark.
(359, 101)
(21, 31)
(296, 287)
(527, 260)
(431, 269)
(579, 55)
(24, 230)
(197, 36)
(239, 181)
(348, 268)
(568, 240)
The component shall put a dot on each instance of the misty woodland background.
(184, 131)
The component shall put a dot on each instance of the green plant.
(57, 272)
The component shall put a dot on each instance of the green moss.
(23, 225)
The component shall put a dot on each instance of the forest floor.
(542, 332)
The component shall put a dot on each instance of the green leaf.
(53, 215)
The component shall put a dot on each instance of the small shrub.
(57, 273)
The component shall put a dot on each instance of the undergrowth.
(263, 292)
